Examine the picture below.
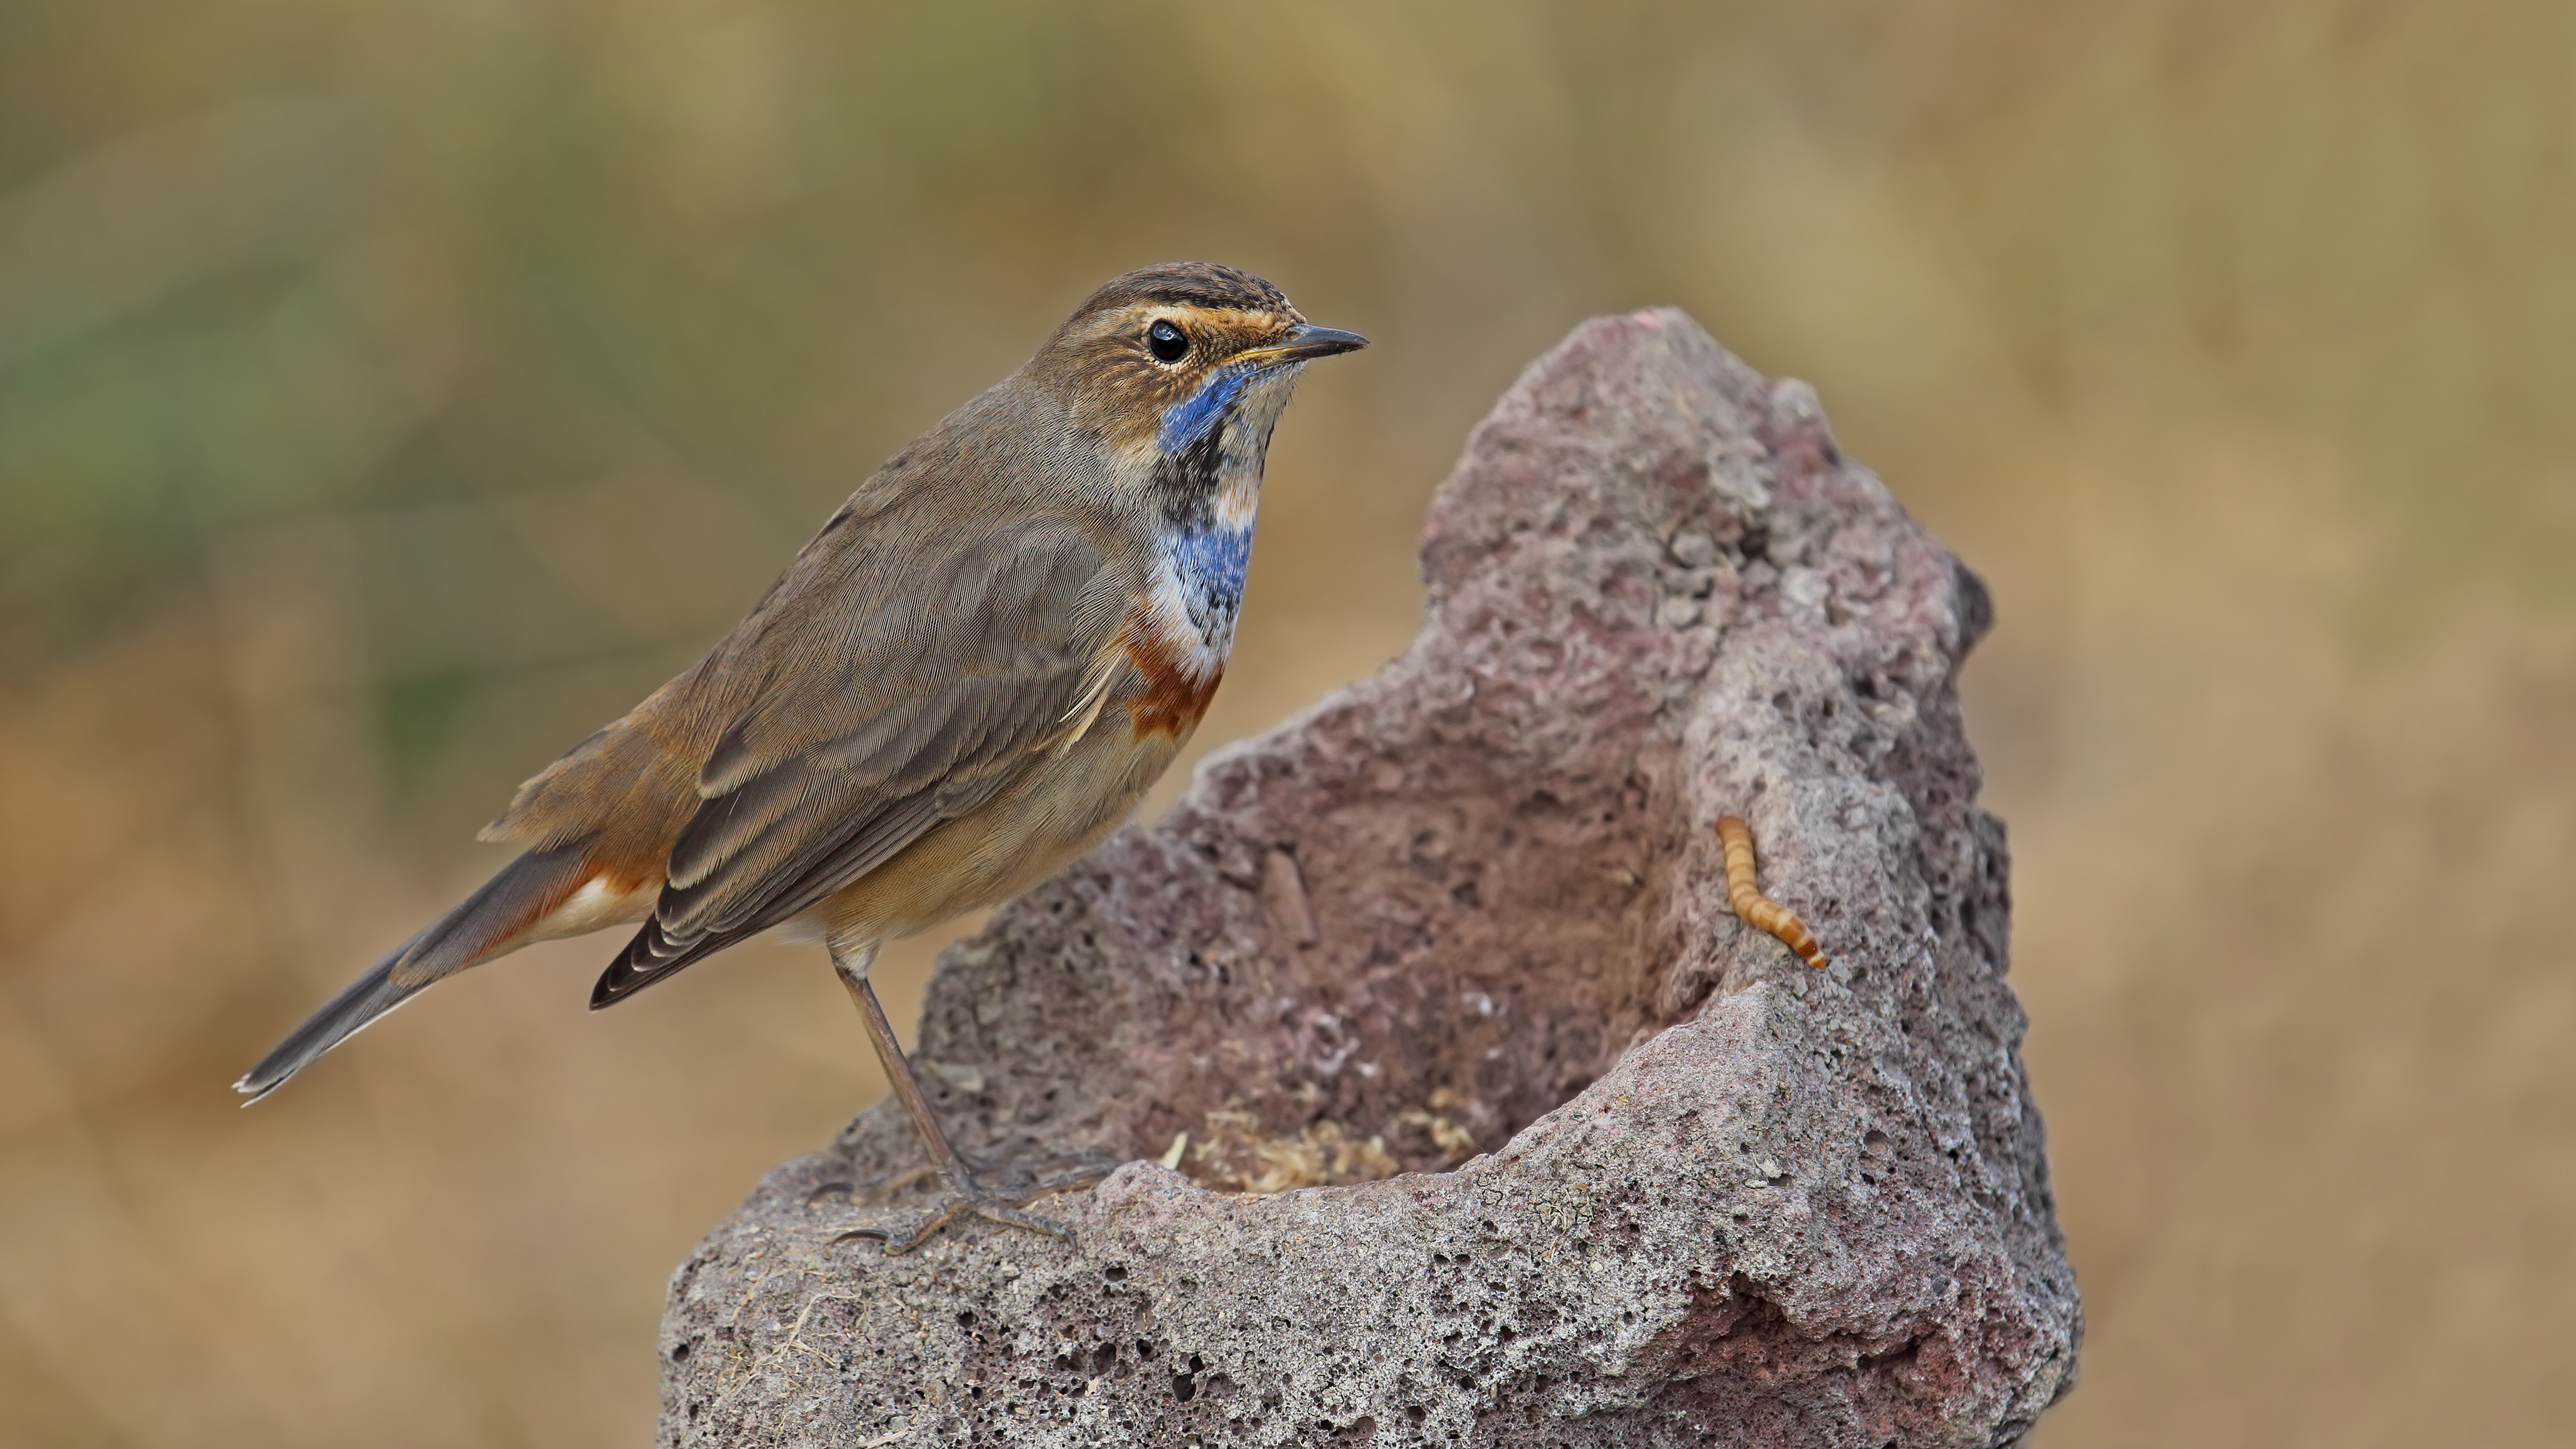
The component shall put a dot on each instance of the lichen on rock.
(1465, 921)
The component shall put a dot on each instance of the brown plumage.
(970, 675)
(1758, 910)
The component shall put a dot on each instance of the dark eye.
(1167, 342)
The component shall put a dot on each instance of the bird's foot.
(973, 1201)
(996, 1195)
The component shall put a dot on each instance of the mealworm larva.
(1756, 909)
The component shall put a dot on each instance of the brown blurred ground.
(391, 393)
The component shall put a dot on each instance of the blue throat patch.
(1189, 420)
(1210, 564)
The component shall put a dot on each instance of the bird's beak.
(1306, 340)
(1310, 340)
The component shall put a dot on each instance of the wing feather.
(936, 688)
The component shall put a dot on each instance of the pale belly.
(1030, 831)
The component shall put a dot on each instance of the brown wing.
(895, 680)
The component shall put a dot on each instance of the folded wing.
(874, 697)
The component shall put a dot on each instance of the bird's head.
(1181, 370)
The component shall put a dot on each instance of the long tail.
(488, 923)
(368, 997)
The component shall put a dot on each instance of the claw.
(997, 1210)
(1070, 1173)
(1002, 1201)
(971, 1198)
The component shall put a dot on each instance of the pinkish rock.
(1662, 1183)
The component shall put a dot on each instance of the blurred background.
(390, 394)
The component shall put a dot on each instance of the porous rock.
(1641, 1176)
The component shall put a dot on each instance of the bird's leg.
(967, 1193)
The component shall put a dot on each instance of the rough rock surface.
(1662, 1183)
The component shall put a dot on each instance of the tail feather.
(488, 923)
(365, 999)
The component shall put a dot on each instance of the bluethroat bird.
(965, 680)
